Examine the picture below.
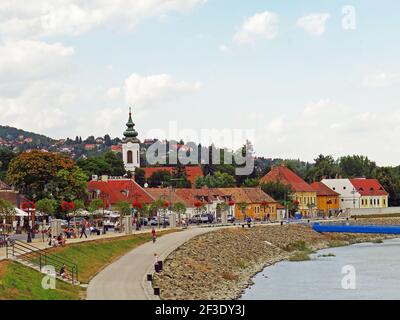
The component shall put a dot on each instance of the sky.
(297, 79)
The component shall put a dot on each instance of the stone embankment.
(220, 264)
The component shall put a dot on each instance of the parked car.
(231, 218)
(195, 219)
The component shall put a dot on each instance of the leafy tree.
(38, 174)
(107, 164)
(357, 166)
(47, 206)
(390, 180)
(124, 208)
(219, 180)
(325, 167)
(160, 178)
(179, 178)
(6, 155)
(7, 210)
(277, 190)
(179, 208)
(140, 176)
(251, 183)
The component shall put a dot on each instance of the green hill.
(13, 134)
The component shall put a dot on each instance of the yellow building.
(373, 195)
(302, 193)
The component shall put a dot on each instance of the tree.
(107, 164)
(160, 178)
(277, 190)
(124, 208)
(325, 167)
(39, 175)
(140, 176)
(179, 178)
(356, 166)
(7, 210)
(179, 208)
(6, 155)
(96, 204)
(390, 180)
(219, 180)
(251, 183)
(47, 206)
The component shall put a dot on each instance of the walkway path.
(40, 244)
(125, 279)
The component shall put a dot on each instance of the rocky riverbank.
(218, 265)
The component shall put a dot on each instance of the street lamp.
(30, 207)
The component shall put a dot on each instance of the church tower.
(131, 146)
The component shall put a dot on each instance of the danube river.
(373, 269)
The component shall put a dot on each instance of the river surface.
(376, 268)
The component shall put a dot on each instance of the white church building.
(131, 146)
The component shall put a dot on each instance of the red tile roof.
(193, 173)
(287, 176)
(248, 195)
(323, 190)
(369, 187)
(121, 190)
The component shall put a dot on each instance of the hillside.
(13, 134)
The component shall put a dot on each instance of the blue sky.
(285, 69)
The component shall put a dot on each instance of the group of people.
(57, 241)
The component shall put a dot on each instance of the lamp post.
(30, 207)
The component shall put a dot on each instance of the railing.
(3, 240)
(41, 258)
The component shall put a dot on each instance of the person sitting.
(64, 272)
(54, 242)
(61, 240)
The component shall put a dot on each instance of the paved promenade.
(38, 242)
(125, 278)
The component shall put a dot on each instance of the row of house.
(330, 196)
(242, 202)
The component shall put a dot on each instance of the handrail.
(30, 253)
(33, 248)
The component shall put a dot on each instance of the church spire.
(130, 132)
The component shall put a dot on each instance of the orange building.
(328, 202)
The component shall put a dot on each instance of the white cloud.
(20, 18)
(262, 25)
(223, 48)
(328, 127)
(314, 23)
(381, 79)
(143, 91)
(27, 60)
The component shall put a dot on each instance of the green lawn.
(91, 257)
(18, 282)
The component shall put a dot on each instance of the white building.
(349, 196)
(131, 147)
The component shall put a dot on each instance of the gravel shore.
(220, 264)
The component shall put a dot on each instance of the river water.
(372, 271)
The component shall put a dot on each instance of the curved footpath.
(125, 278)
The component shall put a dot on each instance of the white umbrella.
(20, 213)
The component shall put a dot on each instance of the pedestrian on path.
(83, 230)
(154, 235)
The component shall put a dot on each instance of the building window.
(130, 157)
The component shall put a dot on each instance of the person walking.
(83, 233)
(154, 235)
